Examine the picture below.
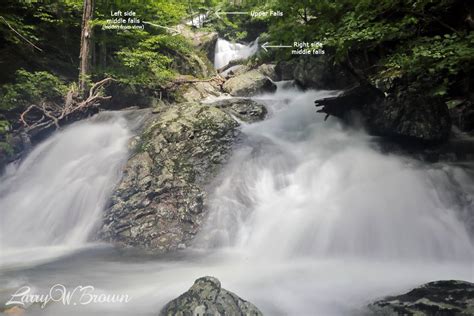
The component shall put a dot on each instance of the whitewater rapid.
(308, 217)
(302, 187)
(226, 52)
(53, 200)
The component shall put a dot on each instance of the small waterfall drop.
(54, 197)
(307, 218)
(226, 52)
(301, 187)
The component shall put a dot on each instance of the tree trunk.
(86, 40)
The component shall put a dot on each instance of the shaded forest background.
(428, 45)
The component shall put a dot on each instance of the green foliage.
(31, 88)
(150, 63)
(438, 56)
(414, 39)
(4, 126)
(6, 147)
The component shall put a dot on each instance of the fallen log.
(48, 114)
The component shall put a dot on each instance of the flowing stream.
(307, 218)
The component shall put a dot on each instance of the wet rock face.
(249, 84)
(245, 110)
(316, 72)
(160, 201)
(207, 297)
(440, 298)
(462, 114)
(269, 71)
(12, 148)
(403, 115)
(197, 91)
(410, 115)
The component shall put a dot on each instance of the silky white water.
(307, 218)
(226, 52)
(303, 187)
(52, 200)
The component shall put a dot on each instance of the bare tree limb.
(51, 114)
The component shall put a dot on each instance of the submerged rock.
(440, 298)
(207, 297)
(160, 201)
(249, 84)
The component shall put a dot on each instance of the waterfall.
(226, 52)
(307, 218)
(302, 187)
(54, 197)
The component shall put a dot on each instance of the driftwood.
(48, 114)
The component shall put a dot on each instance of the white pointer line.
(174, 31)
(265, 46)
(219, 12)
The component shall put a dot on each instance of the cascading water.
(304, 187)
(226, 51)
(54, 198)
(307, 218)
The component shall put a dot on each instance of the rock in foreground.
(440, 298)
(206, 297)
(249, 84)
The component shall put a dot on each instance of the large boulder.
(440, 298)
(202, 40)
(462, 114)
(268, 70)
(317, 72)
(245, 110)
(194, 64)
(197, 91)
(160, 202)
(197, 63)
(411, 116)
(404, 115)
(207, 297)
(249, 84)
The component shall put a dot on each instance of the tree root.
(49, 114)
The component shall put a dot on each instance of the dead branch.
(49, 114)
